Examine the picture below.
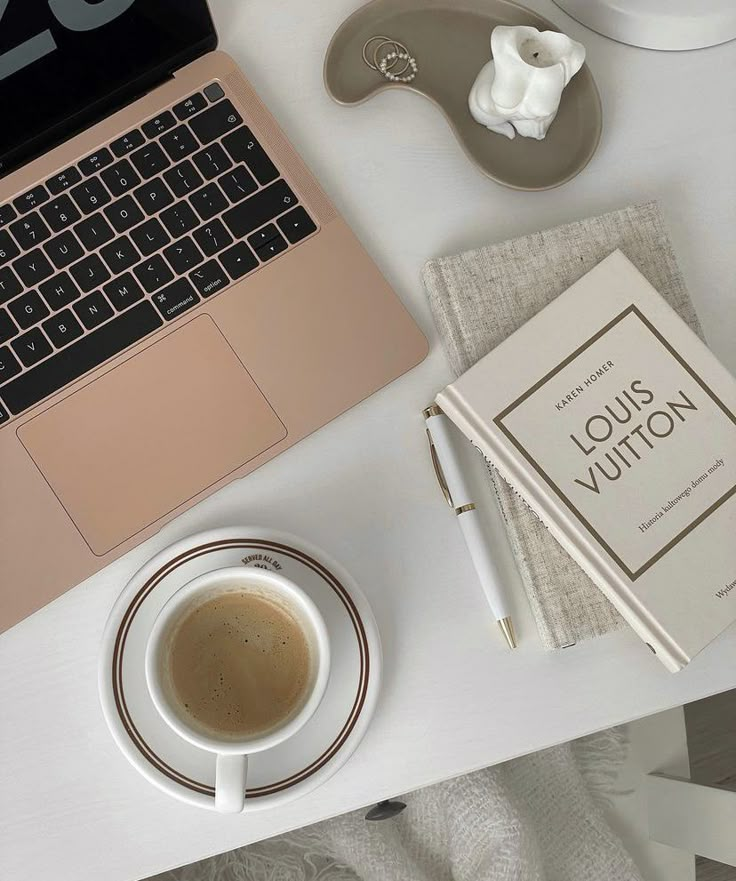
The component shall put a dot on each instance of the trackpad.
(150, 434)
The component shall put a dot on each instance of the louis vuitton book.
(617, 426)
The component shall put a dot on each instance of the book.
(617, 426)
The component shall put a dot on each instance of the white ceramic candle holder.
(519, 90)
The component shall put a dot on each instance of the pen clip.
(439, 474)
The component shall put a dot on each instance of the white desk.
(454, 698)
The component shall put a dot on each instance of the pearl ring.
(411, 65)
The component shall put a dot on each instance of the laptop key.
(192, 105)
(149, 160)
(179, 219)
(9, 364)
(89, 273)
(175, 299)
(62, 328)
(247, 216)
(238, 260)
(63, 180)
(64, 249)
(32, 347)
(150, 236)
(8, 248)
(7, 326)
(4, 415)
(93, 310)
(28, 310)
(159, 124)
(243, 147)
(296, 225)
(9, 284)
(95, 162)
(209, 278)
(32, 199)
(33, 268)
(212, 161)
(121, 177)
(60, 213)
(213, 237)
(124, 214)
(214, 92)
(90, 195)
(123, 145)
(208, 201)
(153, 273)
(84, 355)
(153, 196)
(59, 291)
(183, 178)
(218, 120)
(94, 231)
(7, 213)
(263, 236)
(123, 291)
(183, 255)
(238, 184)
(120, 255)
(272, 248)
(179, 142)
(30, 231)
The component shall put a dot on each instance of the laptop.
(179, 300)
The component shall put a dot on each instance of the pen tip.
(507, 628)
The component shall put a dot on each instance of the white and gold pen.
(457, 494)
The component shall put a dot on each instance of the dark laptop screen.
(65, 63)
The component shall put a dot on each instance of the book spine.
(668, 652)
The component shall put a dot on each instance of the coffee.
(239, 664)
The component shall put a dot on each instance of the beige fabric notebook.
(478, 298)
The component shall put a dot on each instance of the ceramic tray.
(451, 41)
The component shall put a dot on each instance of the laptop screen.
(66, 63)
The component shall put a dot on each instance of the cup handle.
(230, 774)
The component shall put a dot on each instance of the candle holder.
(520, 89)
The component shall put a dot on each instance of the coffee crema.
(239, 664)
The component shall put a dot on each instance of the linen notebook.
(478, 299)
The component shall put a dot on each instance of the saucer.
(290, 769)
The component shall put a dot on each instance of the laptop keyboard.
(105, 252)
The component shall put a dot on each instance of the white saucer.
(290, 769)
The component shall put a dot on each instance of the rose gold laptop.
(179, 300)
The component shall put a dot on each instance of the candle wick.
(536, 54)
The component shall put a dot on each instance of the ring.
(393, 56)
(385, 68)
(374, 64)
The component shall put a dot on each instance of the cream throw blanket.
(536, 818)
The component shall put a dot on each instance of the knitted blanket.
(536, 818)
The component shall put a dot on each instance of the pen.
(455, 490)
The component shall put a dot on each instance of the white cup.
(232, 755)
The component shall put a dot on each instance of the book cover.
(617, 426)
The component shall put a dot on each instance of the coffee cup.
(237, 662)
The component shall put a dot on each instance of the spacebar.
(69, 364)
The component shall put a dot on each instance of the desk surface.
(454, 698)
